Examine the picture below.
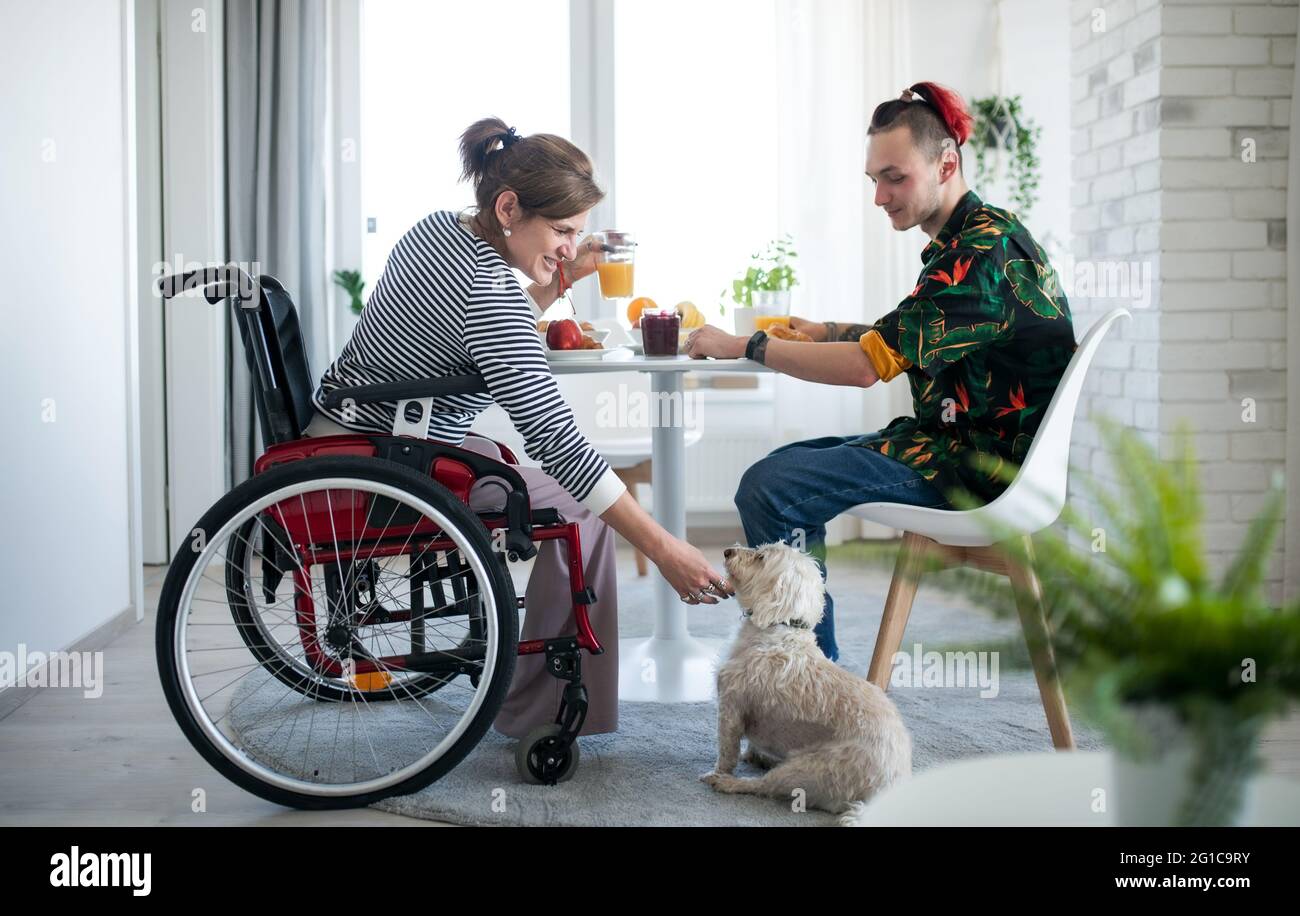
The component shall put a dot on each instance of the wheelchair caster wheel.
(538, 760)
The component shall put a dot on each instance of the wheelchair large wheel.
(245, 670)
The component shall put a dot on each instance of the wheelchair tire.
(531, 755)
(330, 474)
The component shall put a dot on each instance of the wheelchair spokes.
(373, 622)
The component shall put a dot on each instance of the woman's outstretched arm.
(684, 566)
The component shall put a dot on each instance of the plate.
(577, 355)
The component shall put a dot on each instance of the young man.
(983, 340)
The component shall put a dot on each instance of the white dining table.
(671, 666)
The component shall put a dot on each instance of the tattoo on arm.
(852, 332)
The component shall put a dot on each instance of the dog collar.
(797, 624)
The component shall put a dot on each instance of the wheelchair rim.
(241, 757)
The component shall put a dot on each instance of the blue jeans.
(803, 485)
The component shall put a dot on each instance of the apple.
(564, 334)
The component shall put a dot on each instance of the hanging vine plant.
(1001, 126)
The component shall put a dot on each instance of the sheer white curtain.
(837, 59)
(275, 182)
(892, 260)
(821, 53)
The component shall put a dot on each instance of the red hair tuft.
(950, 107)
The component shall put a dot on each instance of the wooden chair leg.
(898, 605)
(1033, 620)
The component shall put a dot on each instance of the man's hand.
(715, 342)
(814, 329)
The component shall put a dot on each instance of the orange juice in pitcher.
(615, 262)
(615, 278)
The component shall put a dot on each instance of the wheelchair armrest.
(407, 389)
(419, 455)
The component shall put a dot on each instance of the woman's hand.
(691, 575)
(711, 341)
(582, 265)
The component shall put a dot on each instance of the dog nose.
(728, 552)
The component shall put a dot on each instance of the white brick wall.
(1165, 98)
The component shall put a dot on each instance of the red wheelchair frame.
(456, 476)
(283, 386)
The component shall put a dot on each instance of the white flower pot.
(1152, 792)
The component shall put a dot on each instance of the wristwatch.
(756, 349)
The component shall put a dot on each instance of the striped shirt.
(448, 304)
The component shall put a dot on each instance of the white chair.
(1032, 501)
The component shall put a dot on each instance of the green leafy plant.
(771, 271)
(1138, 621)
(352, 284)
(1001, 125)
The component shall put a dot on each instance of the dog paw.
(719, 782)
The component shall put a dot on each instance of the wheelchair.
(341, 627)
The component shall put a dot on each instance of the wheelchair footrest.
(542, 518)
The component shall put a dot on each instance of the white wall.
(67, 261)
(953, 42)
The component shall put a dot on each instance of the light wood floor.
(121, 760)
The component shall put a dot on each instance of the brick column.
(1181, 122)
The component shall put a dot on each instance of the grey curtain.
(275, 181)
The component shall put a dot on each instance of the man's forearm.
(837, 331)
(842, 363)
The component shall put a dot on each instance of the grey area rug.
(647, 772)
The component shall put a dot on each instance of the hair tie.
(509, 138)
(907, 95)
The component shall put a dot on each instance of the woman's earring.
(506, 231)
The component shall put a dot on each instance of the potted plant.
(1181, 669)
(769, 278)
(352, 284)
(1001, 127)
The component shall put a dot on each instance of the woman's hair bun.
(480, 140)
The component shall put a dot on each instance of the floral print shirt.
(984, 339)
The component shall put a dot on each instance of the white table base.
(671, 666)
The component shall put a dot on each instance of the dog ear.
(802, 588)
(785, 586)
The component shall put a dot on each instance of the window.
(696, 143)
(429, 70)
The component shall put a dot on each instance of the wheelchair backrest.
(277, 359)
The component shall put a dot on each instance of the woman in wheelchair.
(447, 304)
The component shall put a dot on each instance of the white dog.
(812, 725)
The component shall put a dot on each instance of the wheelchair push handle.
(218, 282)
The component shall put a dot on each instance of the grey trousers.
(534, 695)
